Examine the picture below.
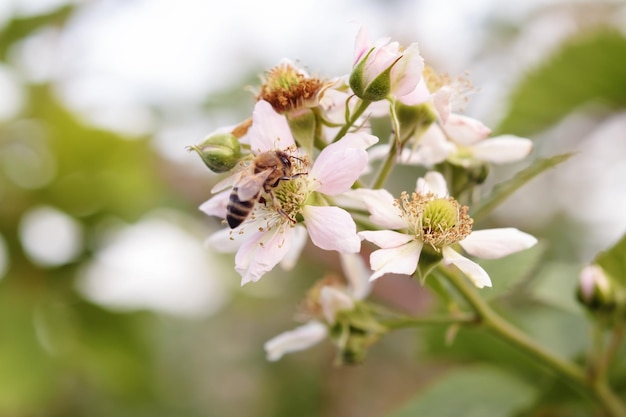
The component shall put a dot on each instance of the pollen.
(287, 88)
(435, 221)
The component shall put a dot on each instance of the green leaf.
(586, 69)
(613, 261)
(19, 28)
(503, 190)
(508, 272)
(476, 391)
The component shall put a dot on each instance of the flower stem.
(360, 108)
(408, 321)
(385, 169)
(598, 389)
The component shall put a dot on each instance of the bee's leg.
(278, 208)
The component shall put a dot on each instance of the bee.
(266, 171)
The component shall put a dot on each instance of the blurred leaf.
(503, 190)
(587, 68)
(556, 285)
(476, 391)
(19, 28)
(98, 172)
(613, 261)
(506, 273)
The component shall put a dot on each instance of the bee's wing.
(249, 186)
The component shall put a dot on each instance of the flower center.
(287, 88)
(435, 221)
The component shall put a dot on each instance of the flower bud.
(595, 290)
(220, 152)
(413, 119)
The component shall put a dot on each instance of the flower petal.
(471, 269)
(407, 72)
(335, 170)
(433, 182)
(216, 205)
(380, 204)
(300, 338)
(224, 241)
(359, 140)
(503, 149)
(357, 275)
(386, 239)
(333, 300)
(261, 252)
(298, 240)
(496, 243)
(331, 228)
(399, 260)
(465, 130)
(269, 129)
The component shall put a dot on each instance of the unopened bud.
(413, 119)
(595, 290)
(220, 152)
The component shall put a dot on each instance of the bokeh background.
(111, 304)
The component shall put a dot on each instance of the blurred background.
(111, 304)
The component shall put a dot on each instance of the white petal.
(419, 95)
(331, 228)
(502, 149)
(357, 274)
(300, 338)
(380, 204)
(261, 252)
(336, 169)
(496, 243)
(358, 140)
(433, 182)
(400, 260)
(441, 100)
(216, 205)
(465, 130)
(433, 147)
(269, 129)
(333, 300)
(225, 241)
(386, 238)
(298, 240)
(471, 269)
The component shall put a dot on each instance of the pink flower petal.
(216, 205)
(331, 228)
(359, 140)
(298, 240)
(442, 101)
(362, 45)
(502, 149)
(496, 243)
(335, 170)
(419, 95)
(400, 260)
(472, 270)
(407, 72)
(300, 338)
(465, 130)
(381, 206)
(261, 252)
(386, 239)
(269, 129)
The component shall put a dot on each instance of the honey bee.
(266, 171)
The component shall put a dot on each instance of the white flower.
(333, 299)
(430, 217)
(268, 237)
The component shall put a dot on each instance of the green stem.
(387, 166)
(360, 108)
(408, 321)
(575, 375)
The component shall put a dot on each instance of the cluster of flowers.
(298, 167)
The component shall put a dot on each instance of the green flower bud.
(595, 290)
(413, 119)
(220, 152)
(377, 89)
